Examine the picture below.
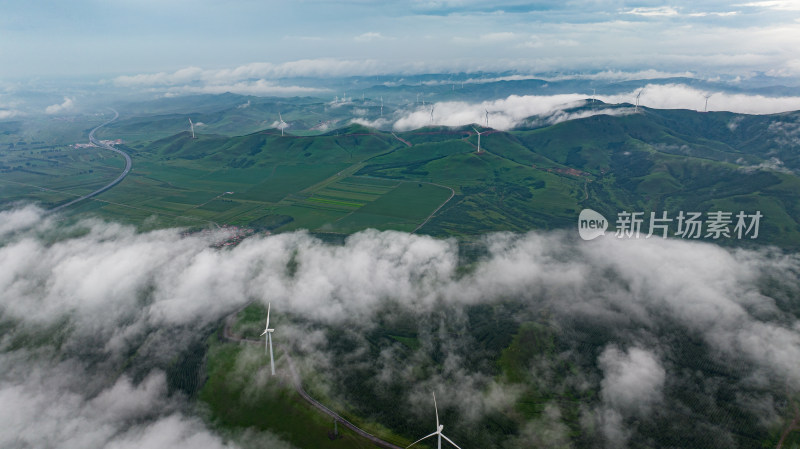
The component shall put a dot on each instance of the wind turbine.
(432, 108)
(487, 117)
(636, 108)
(282, 124)
(594, 93)
(479, 138)
(191, 126)
(268, 341)
(706, 97)
(381, 106)
(438, 432)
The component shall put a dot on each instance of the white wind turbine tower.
(268, 341)
(282, 124)
(438, 432)
(191, 126)
(594, 94)
(487, 117)
(479, 138)
(381, 106)
(707, 96)
(432, 108)
(636, 108)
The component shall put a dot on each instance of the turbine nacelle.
(438, 432)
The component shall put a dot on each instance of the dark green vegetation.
(354, 178)
(550, 364)
(241, 393)
(240, 400)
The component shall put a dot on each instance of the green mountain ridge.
(529, 178)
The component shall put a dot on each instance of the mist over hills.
(526, 338)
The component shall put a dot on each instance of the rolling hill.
(352, 178)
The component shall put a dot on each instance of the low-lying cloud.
(515, 110)
(66, 106)
(261, 71)
(49, 406)
(680, 96)
(633, 379)
(8, 113)
(103, 289)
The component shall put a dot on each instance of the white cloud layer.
(106, 285)
(8, 113)
(106, 272)
(513, 111)
(633, 379)
(679, 96)
(40, 409)
(253, 72)
(59, 108)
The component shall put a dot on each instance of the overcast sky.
(110, 38)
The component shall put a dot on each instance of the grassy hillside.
(354, 177)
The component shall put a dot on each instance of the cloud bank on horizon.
(516, 110)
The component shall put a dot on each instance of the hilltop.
(536, 176)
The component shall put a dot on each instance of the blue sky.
(124, 38)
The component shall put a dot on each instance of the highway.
(298, 386)
(122, 175)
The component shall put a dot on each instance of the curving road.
(452, 194)
(122, 175)
(298, 386)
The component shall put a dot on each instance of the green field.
(355, 178)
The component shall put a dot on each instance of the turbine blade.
(436, 409)
(434, 433)
(449, 440)
(268, 307)
(476, 131)
(265, 331)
